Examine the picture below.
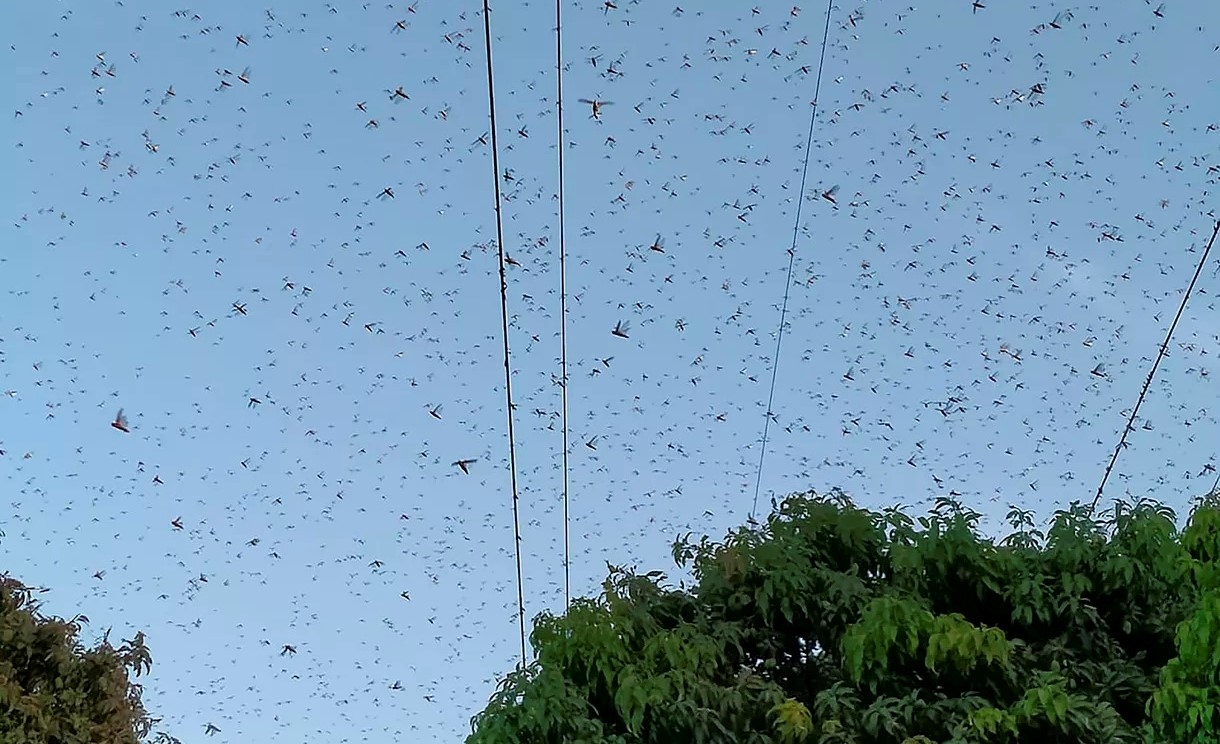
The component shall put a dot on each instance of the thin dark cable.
(508, 373)
(796, 227)
(1122, 441)
(563, 315)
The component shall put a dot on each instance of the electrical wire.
(796, 227)
(508, 374)
(563, 313)
(1122, 441)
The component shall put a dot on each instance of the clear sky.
(1017, 203)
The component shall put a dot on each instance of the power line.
(508, 373)
(563, 314)
(796, 227)
(1122, 441)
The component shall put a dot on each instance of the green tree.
(1185, 706)
(830, 623)
(53, 690)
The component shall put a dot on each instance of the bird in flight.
(596, 104)
(464, 465)
(120, 422)
(620, 329)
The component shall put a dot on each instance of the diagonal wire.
(508, 374)
(783, 313)
(563, 314)
(1122, 441)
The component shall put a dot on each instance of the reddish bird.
(120, 422)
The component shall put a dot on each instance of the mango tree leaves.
(53, 689)
(1184, 707)
(792, 720)
(830, 623)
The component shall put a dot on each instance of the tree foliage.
(830, 623)
(54, 690)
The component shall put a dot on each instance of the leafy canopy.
(830, 623)
(53, 689)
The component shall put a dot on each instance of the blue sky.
(985, 162)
